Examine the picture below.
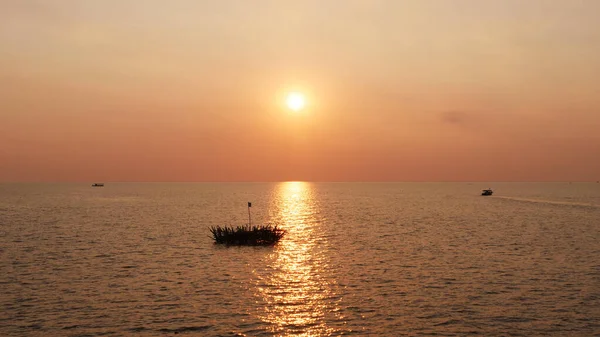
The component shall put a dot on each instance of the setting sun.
(295, 101)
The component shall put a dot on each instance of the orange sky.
(423, 90)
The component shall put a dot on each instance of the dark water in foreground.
(358, 259)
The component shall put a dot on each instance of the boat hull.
(487, 192)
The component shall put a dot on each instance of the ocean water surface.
(361, 259)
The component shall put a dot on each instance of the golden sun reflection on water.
(296, 288)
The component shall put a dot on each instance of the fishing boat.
(98, 185)
(487, 192)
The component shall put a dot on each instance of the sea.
(358, 259)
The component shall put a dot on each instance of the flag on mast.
(249, 204)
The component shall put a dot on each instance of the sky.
(193, 90)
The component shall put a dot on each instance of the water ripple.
(358, 259)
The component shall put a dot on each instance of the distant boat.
(487, 192)
(98, 185)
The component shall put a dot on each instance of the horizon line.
(285, 181)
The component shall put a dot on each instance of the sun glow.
(295, 101)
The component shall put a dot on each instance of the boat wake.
(551, 202)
